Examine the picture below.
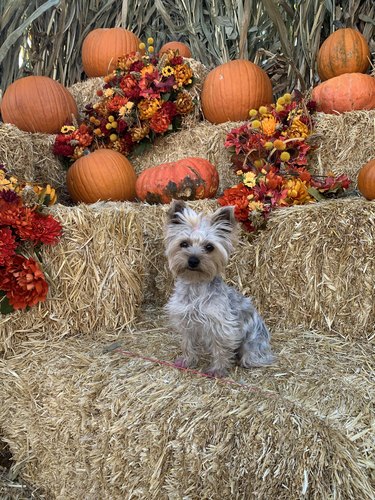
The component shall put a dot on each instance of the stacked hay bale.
(94, 424)
(88, 419)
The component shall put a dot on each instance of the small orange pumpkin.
(186, 179)
(232, 89)
(366, 180)
(101, 175)
(38, 104)
(103, 46)
(344, 51)
(348, 92)
(182, 48)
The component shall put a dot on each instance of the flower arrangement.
(145, 96)
(270, 155)
(24, 227)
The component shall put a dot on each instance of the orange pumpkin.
(348, 92)
(103, 46)
(38, 104)
(182, 48)
(344, 51)
(232, 89)
(366, 180)
(101, 175)
(186, 179)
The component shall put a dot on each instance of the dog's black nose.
(193, 262)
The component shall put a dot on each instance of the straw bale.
(95, 276)
(85, 93)
(88, 422)
(204, 140)
(16, 151)
(314, 266)
(345, 142)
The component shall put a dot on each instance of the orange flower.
(269, 125)
(24, 282)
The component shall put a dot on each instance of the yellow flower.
(167, 71)
(147, 69)
(253, 112)
(67, 128)
(113, 137)
(297, 129)
(256, 206)
(255, 124)
(258, 163)
(151, 49)
(111, 118)
(268, 145)
(285, 156)
(281, 101)
(148, 108)
(183, 74)
(297, 192)
(150, 40)
(249, 179)
(142, 46)
(287, 98)
(279, 108)
(109, 92)
(279, 145)
(108, 126)
(263, 110)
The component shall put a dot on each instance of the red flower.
(45, 229)
(24, 282)
(160, 121)
(8, 245)
(237, 196)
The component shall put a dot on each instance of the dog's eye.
(184, 244)
(209, 248)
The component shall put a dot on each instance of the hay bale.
(86, 424)
(29, 157)
(85, 93)
(16, 151)
(95, 275)
(314, 266)
(345, 142)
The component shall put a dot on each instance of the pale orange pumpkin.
(186, 179)
(38, 104)
(182, 48)
(348, 92)
(103, 46)
(232, 89)
(344, 51)
(101, 175)
(366, 180)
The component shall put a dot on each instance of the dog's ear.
(224, 218)
(176, 207)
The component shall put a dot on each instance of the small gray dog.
(213, 317)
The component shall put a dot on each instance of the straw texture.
(83, 421)
(95, 274)
(314, 266)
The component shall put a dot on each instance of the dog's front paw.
(181, 363)
(216, 372)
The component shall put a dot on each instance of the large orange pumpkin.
(232, 89)
(344, 51)
(38, 104)
(366, 180)
(186, 179)
(103, 46)
(182, 48)
(101, 175)
(348, 92)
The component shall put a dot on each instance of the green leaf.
(315, 194)
(5, 307)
